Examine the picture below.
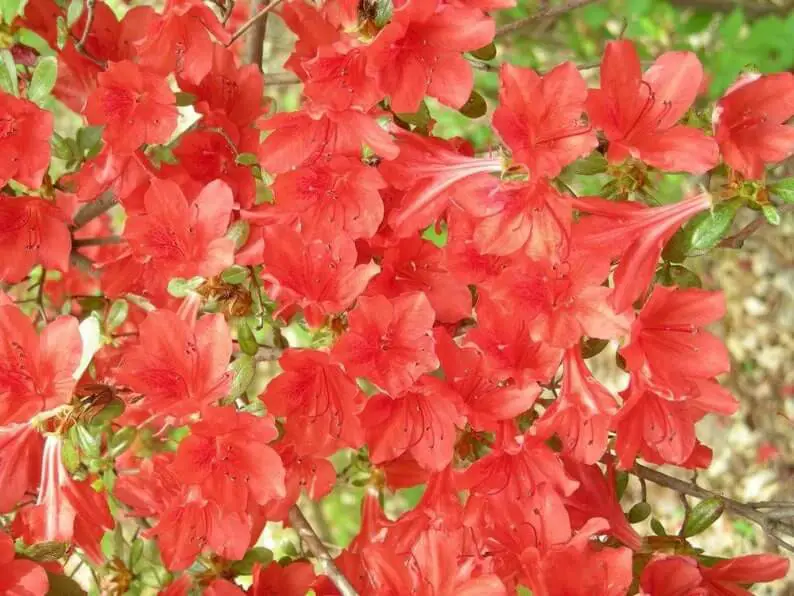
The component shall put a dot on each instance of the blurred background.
(753, 451)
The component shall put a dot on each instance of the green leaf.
(621, 482)
(87, 441)
(10, 9)
(74, 12)
(239, 232)
(111, 411)
(771, 214)
(117, 314)
(784, 190)
(179, 287)
(243, 371)
(184, 99)
(639, 512)
(70, 456)
(121, 440)
(44, 552)
(419, 119)
(595, 163)
(486, 53)
(44, 76)
(258, 554)
(61, 585)
(235, 275)
(678, 275)
(62, 30)
(88, 137)
(8, 73)
(657, 527)
(475, 106)
(593, 346)
(383, 12)
(702, 232)
(247, 159)
(702, 516)
(246, 339)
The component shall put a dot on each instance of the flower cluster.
(245, 299)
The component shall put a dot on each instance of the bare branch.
(544, 13)
(751, 9)
(771, 526)
(318, 550)
(738, 239)
(92, 210)
(253, 20)
(101, 241)
(89, 21)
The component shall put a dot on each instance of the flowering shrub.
(215, 312)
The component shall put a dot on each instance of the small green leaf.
(486, 53)
(111, 411)
(621, 482)
(595, 163)
(44, 552)
(235, 275)
(44, 76)
(702, 232)
(246, 339)
(121, 440)
(247, 159)
(593, 346)
(70, 456)
(678, 275)
(383, 12)
(639, 512)
(258, 554)
(8, 73)
(702, 516)
(179, 287)
(60, 146)
(184, 99)
(117, 314)
(784, 190)
(74, 12)
(771, 214)
(657, 527)
(239, 232)
(62, 30)
(88, 137)
(10, 9)
(419, 119)
(475, 106)
(243, 371)
(87, 441)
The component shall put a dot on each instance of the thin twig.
(92, 210)
(101, 241)
(89, 21)
(250, 22)
(281, 78)
(318, 550)
(770, 526)
(738, 239)
(750, 9)
(546, 13)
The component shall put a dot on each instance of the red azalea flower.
(638, 234)
(678, 575)
(638, 113)
(135, 106)
(326, 197)
(421, 420)
(122, 175)
(319, 276)
(514, 215)
(294, 579)
(184, 239)
(540, 118)
(389, 342)
(427, 169)
(582, 414)
(227, 455)
(179, 41)
(338, 80)
(750, 122)
(488, 398)
(178, 367)
(20, 463)
(20, 577)
(32, 232)
(36, 371)
(416, 265)
(25, 131)
(419, 53)
(668, 337)
(319, 401)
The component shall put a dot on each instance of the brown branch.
(738, 239)
(281, 78)
(771, 526)
(92, 210)
(89, 21)
(752, 10)
(101, 241)
(317, 548)
(544, 13)
(253, 20)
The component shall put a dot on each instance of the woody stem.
(316, 547)
(544, 13)
(92, 210)
(89, 21)
(253, 20)
(771, 526)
